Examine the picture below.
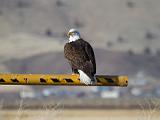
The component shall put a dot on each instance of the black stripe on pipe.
(14, 80)
(109, 80)
(2, 80)
(42, 80)
(98, 80)
(55, 80)
(69, 80)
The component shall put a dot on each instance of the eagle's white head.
(73, 35)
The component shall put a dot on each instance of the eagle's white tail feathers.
(85, 79)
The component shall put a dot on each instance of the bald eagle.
(81, 57)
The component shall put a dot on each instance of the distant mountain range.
(108, 24)
(125, 34)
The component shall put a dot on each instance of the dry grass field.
(79, 114)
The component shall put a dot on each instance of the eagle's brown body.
(81, 57)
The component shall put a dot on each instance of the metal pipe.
(60, 79)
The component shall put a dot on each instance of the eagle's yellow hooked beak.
(69, 34)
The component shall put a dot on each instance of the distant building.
(139, 79)
(110, 94)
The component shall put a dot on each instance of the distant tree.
(147, 51)
(109, 44)
(59, 3)
(130, 4)
(23, 4)
(49, 33)
(150, 35)
(78, 24)
(130, 52)
(120, 39)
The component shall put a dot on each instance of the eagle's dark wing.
(91, 56)
(69, 53)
